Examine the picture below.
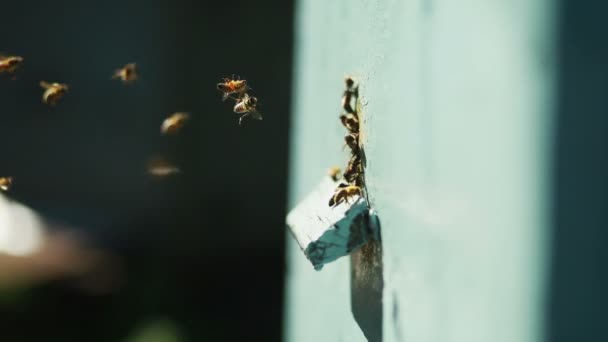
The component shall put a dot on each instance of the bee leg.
(331, 202)
(242, 117)
(237, 99)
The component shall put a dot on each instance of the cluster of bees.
(237, 90)
(53, 92)
(353, 176)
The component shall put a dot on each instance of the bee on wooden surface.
(53, 92)
(127, 74)
(334, 173)
(174, 123)
(351, 122)
(247, 106)
(160, 167)
(10, 64)
(343, 193)
(347, 100)
(354, 169)
(350, 96)
(232, 86)
(352, 141)
(5, 183)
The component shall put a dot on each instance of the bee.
(174, 123)
(334, 173)
(350, 96)
(159, 167)
(10, 64)
(343, 193)
(53, 92)
(5, 183)
(352, 141)
(347, 100)
(351, 122)
(232, 86)
(127, 74)
(247, 106)
(349, 82)
(354, 169)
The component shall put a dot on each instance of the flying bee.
(53, 92)
(5, 183)
(159, 167)
(343, 193)
(247, 106)
(127, 74)
(232, 86)
(351, 122)
(9, 64)
(352, 141)
(174, 123)
(334, 173)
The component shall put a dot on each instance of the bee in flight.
(127, 74)
(160, 167)
(174, 123)
(334, 173)
(343, 193)
(232, 86)
(9, 64)
(53, 92)
(247, 106)
(5, 183)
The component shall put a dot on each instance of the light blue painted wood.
(459, 111)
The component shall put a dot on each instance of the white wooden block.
(325, 233)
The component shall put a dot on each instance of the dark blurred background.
(201, 251)
(577, 298)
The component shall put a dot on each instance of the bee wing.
(256, 115)
(45, 84)
(242, 117)
(363, 157)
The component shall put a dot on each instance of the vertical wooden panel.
(459, 103)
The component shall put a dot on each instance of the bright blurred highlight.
(21, 230)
